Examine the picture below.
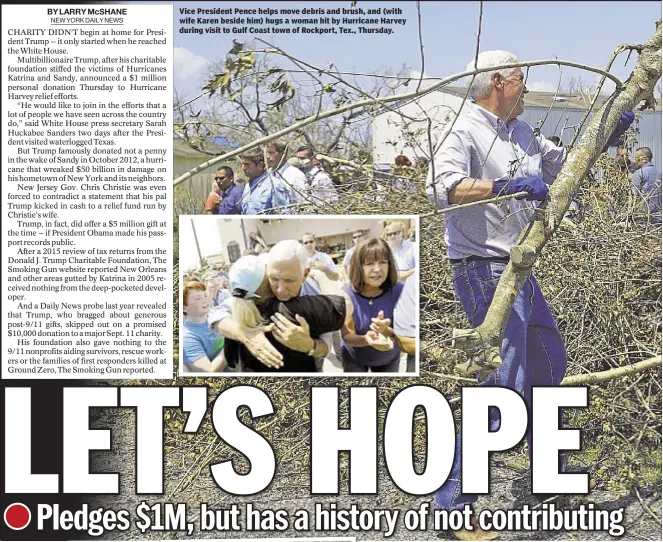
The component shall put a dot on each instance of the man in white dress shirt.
(285, 172)
(404, 250)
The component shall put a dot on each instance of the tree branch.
(372, 101)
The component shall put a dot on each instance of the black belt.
(496, 259)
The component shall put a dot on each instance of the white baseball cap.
(246, 276)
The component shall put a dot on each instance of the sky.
(585, 32)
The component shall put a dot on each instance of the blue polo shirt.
(230, 204)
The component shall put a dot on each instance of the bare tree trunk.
(483, 344)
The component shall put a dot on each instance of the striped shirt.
(482, 146)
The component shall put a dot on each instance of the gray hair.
(481, 87)
(285, 251)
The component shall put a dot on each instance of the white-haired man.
(489, 152)
(287, 272)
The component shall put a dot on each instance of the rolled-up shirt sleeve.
(552, 158)
(218, 313)
(452, 164)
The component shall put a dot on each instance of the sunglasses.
(219, 178)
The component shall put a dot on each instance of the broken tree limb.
(617, 372)
(377, 102)
(483, 344)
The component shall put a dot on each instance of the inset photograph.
(335, 295)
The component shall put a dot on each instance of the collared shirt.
(405, 255)
(231, 201)
(320, 186)
(647, 185)
(293, 178)
(263, 193)
(482, 146)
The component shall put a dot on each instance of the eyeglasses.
(393, 233)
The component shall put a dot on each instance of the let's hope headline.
(360, 439)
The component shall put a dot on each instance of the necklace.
(370, 302)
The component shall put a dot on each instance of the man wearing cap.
(286, 268)
(253, 302)
(489, 152)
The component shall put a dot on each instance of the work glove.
(624, 122)
(536, 189)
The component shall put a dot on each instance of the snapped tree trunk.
(483, 344)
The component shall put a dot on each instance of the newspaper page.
(331, 271)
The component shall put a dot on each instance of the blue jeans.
(533, 352)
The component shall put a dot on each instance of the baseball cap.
(246, 275)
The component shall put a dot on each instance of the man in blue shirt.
(647, 183)
(263, 192)
(232, 191)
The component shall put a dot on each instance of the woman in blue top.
(374, 290)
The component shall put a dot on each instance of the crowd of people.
(292, 308)
(272, 181)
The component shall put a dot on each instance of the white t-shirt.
(405, 255)
(325, 259)
(294, 178)
(348, 257)
(405, 312)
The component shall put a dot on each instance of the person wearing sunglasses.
(357, 237)
(319, 260)
(404, 250)
(232, 191)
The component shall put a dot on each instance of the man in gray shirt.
(490, 153)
